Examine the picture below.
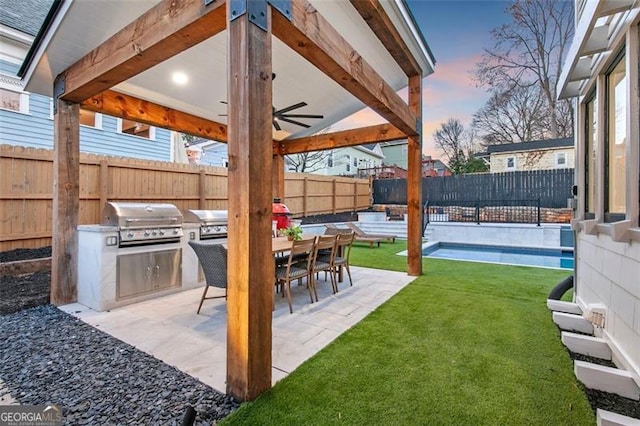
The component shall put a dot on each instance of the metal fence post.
(538, 211)
(478, 212)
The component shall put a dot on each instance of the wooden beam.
(163, 31)
(341, 139)
(375, 16)
(251, 265)
(414, 184)
(309, 34)
(129, 107)
(278, 177)
(66, 202)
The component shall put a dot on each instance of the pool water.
(548, 258)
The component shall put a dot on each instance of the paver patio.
(169, 329)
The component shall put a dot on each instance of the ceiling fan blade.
(294, 122)
(302, 116)
(276, 125)
(291, 108)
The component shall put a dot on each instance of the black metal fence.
(551, 187)
(478, 211)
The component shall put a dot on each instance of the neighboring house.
(210, 153)
(432, 167)
(350, 161)
(601, 73)
(26, 119)
(395, 154)
(535, 155)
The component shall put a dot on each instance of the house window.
(511, 163)
(14, 101)
(355, 163)
(616, 141)
(330, 159)
(591, 145)
(561, 160)
(90, 118)
(348, 158)
(134, 128)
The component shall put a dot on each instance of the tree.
(457, 144)
(514, 116)
(449, 139)
(529, 52)
(308, 162)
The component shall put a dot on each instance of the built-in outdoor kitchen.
(140, 251)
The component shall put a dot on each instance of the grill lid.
(140, 215)
(204, 217)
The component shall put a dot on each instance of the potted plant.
(293, 232)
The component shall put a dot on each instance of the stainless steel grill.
(144, 223)
(213, 223)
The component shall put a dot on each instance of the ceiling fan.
(283, 114)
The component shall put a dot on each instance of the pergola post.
(66, 202)
(414, 183)
(278, 176)
(250, 271)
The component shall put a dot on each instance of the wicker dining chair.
(213, 258)
(297, 267)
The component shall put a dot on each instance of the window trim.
(610, 217)
(506, 163)
(24, 101)
(152, 131)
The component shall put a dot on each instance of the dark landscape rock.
(49, 356)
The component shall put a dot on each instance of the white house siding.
(532, 160)
(608, 273)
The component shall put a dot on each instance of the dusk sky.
(456, 32)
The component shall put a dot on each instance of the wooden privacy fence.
(551, 187)
(26, 184)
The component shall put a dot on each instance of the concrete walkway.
(169, 329)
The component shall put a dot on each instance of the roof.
(530, 146)
(206, 65)
(25, 16)
(394, 143)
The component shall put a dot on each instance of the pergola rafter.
(125, 106)
(341, 139)
(174, 26)
(311, 36)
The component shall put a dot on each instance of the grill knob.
(161, 232)
(130, 234)
(154, 233)
(146, 233)
(175, 232)
(205, 229)
(217, 229)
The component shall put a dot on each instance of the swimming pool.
(547, 258)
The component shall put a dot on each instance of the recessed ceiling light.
(180, 78)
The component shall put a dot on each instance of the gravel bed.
(25, 254)
(48, 356)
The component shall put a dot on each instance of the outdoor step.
(607, 418)
(566, 307)
(607, 379)
(571, 322)
(586, 345)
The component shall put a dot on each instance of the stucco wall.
(609, 273)
(532, 160)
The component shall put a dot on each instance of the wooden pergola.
(256, 161)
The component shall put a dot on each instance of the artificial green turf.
(464, 344)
